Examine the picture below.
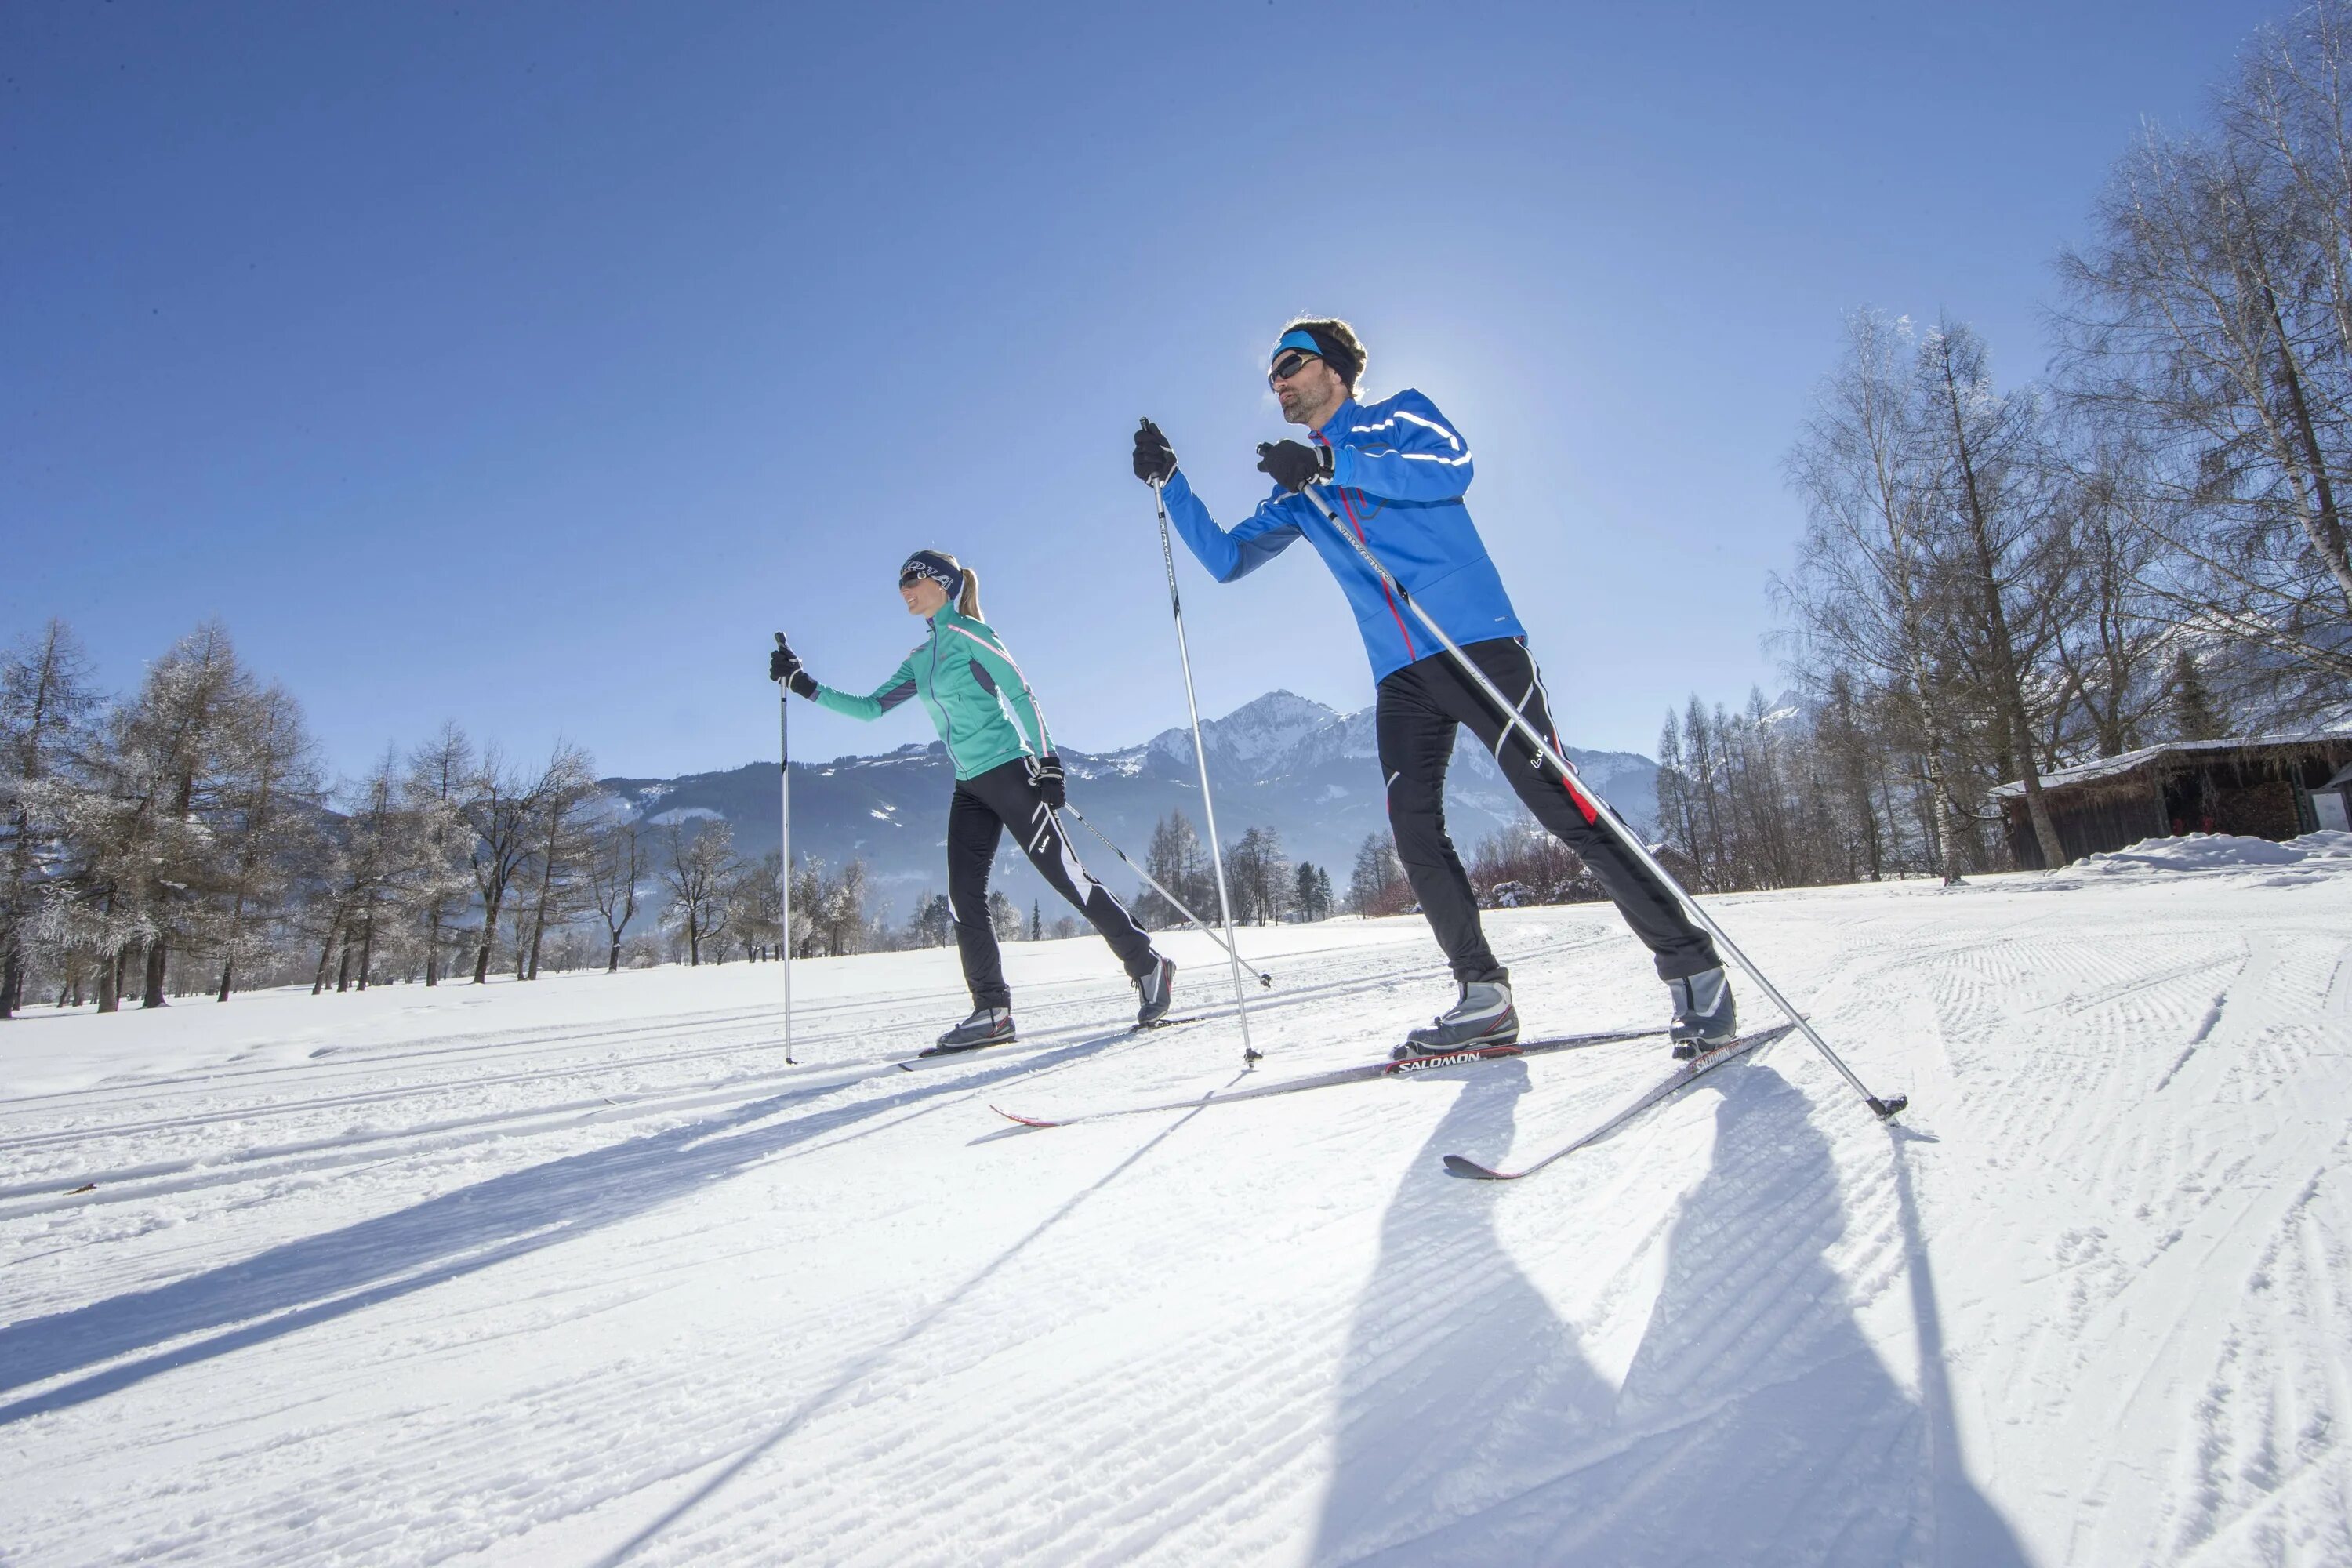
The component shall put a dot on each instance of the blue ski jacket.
(1398, 473)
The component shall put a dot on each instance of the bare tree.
(1868, 585)
(503, 809)
(1378, 886)
(2212, 323)
(614, 866)
(1257, 873)
(698, 862)
(1179, 861)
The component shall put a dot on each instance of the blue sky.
(528, 364)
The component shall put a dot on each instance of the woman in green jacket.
(1006, 776)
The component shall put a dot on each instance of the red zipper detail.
(1348, 507)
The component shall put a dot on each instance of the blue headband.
(1296, 338)
(938, 566)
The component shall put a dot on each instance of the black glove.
(784, 665)
(1294, 465)
(1050, 783)
(1155, 459)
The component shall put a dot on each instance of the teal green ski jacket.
(976, 695)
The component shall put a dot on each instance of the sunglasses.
(1289, 366)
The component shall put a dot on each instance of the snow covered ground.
(582, 1272)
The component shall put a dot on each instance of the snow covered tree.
(2194, 717)
(755, 905)
(1004, 916)
(267, 827)
(357, 887)
(155, 802)
(45, 701)
(561, 841)
(435, 790)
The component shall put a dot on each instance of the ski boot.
(986, 1027)
(1157, 989)
(1706, 1018)
(1482, 1019)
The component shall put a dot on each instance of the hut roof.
(2130, 762)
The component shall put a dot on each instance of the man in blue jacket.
(1395, 471)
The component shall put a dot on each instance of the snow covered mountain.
(1282, 761)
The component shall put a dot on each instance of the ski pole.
(784, 849)
(1194, 921)
(1601, 811)
(1250, 1055)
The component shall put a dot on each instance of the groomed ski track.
(580, 1273)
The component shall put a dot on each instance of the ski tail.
(1683, 1075)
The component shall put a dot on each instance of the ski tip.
(1470, 1170)
(1024, 1120)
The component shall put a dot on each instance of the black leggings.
(983, 807)
(1420, 706)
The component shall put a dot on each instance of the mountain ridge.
(1280, 761)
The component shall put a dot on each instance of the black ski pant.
(984, 806)
(1420, 706)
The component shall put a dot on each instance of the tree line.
(181, 840)
(1999, 581)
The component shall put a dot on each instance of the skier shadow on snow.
(1756, 1424)
(321, 1278)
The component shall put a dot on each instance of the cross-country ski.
(1365, 1072)
(1680, 1078)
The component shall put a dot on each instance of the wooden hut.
(2263, 786)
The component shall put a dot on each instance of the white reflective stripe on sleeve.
(1451, 438)
(1414, 457)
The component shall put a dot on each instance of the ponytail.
(968, 602)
